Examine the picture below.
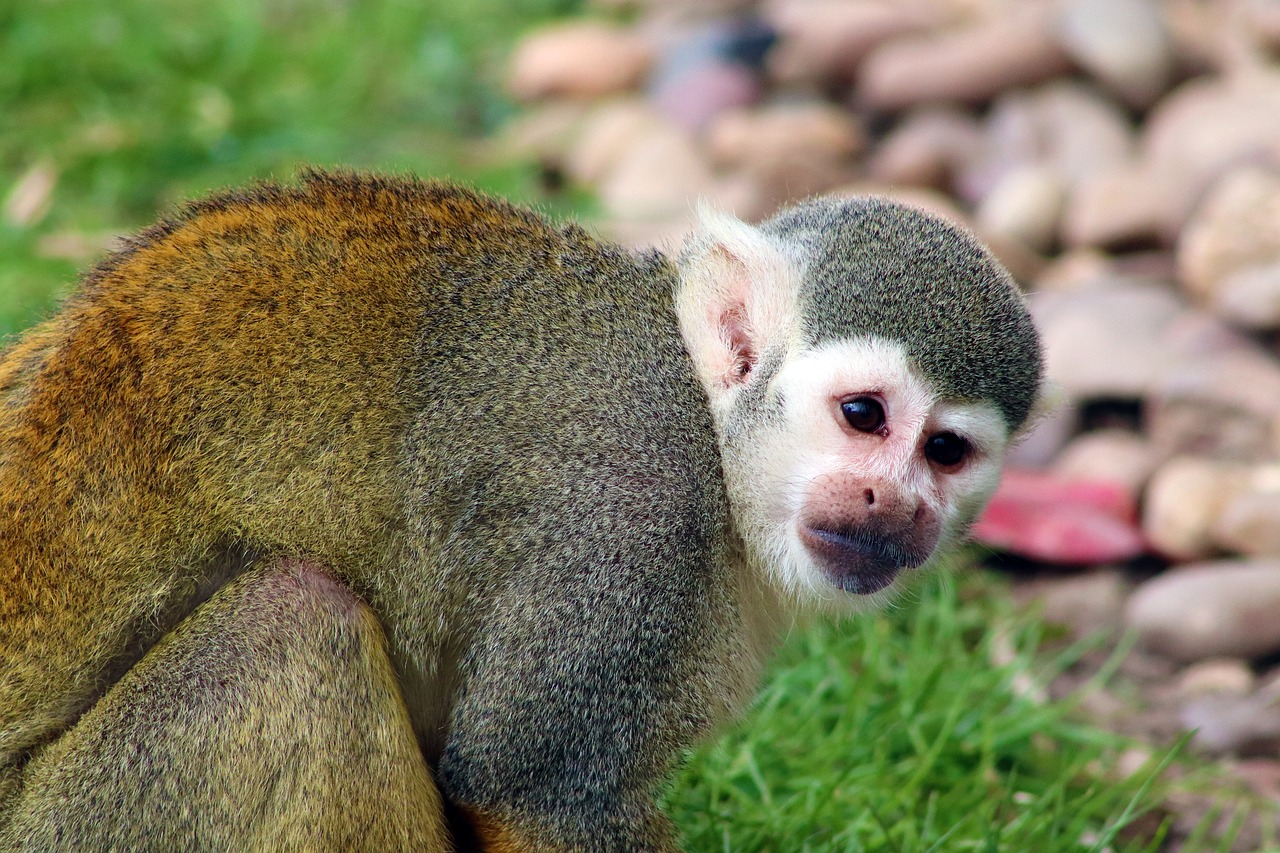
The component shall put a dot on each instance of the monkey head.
(867, 365)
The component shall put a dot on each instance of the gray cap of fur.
(880, 268)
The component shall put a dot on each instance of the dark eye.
(865, 414)
(946, 449)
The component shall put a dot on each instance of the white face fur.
(810, 468)
(831, 508)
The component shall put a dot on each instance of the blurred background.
(1102, 671)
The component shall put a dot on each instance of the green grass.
(895, 731)
(890, 732)
(136, 105)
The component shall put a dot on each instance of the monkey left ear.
(735, 298)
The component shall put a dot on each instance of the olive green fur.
(482, 424)
(875, 267)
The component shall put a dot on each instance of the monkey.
(372, 513)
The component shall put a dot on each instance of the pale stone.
(1250, 522)
(1217, 675)
(823, 41)
(969, 65)
(1228, 724)
(583, 59)
(1202, 129)
(1064, 126)
(1220, 398)
(1122, 205)
(1085, 603)
(1206, 610)
(790, 150)
(1081, 132)
(926, 148)
(1075, 270)
(1249, 297)
(658, 176)
(1113, 455)
(694, 97)
(1121, 42)
(1026, 206)
(1184, 500)
(1106, 342)
(1051, 426)
(606, 135)
(1236, 228)
(789, 132)
(543, 132)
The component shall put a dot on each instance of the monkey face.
(859, 470)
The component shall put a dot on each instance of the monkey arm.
(269, 719)
(574, 707)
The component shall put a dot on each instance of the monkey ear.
(735, 298)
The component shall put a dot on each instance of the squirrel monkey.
(373, 514)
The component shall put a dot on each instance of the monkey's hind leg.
(270, 719)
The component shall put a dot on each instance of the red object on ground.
(1046, 517)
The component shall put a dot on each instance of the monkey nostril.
(870, 496)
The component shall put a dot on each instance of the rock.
(1081, 131)
(1184, 500)
(1204, 128)
(1065, 126)
(699, 94)
(544, 133)
(703, 72)
(1217, 675)
(1123, 43)
(1012, 138)
(1238, 725)
(792, 150)
(1052, 425)
(1261, 19)
(579, 59)
(1120, 206)
(1249, 523)
(1046, 518)
(1112, 455)
(823, 41)
(926, 148)
(1205, 610)
(1262, 775)
(788, 131)
(1249, 297)
(1085, 603)
(1196, 33)
(655, 176)
(1075, 270)
(968, 65)
(1236, 229)
(1132, 760)
(605, 136)
(1224, 402)
(1025, 206)
(1106, 341)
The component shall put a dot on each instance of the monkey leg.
(270, 719)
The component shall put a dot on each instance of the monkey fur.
(374, 514)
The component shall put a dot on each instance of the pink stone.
(1046, 517)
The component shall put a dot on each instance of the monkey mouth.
(858, 560)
